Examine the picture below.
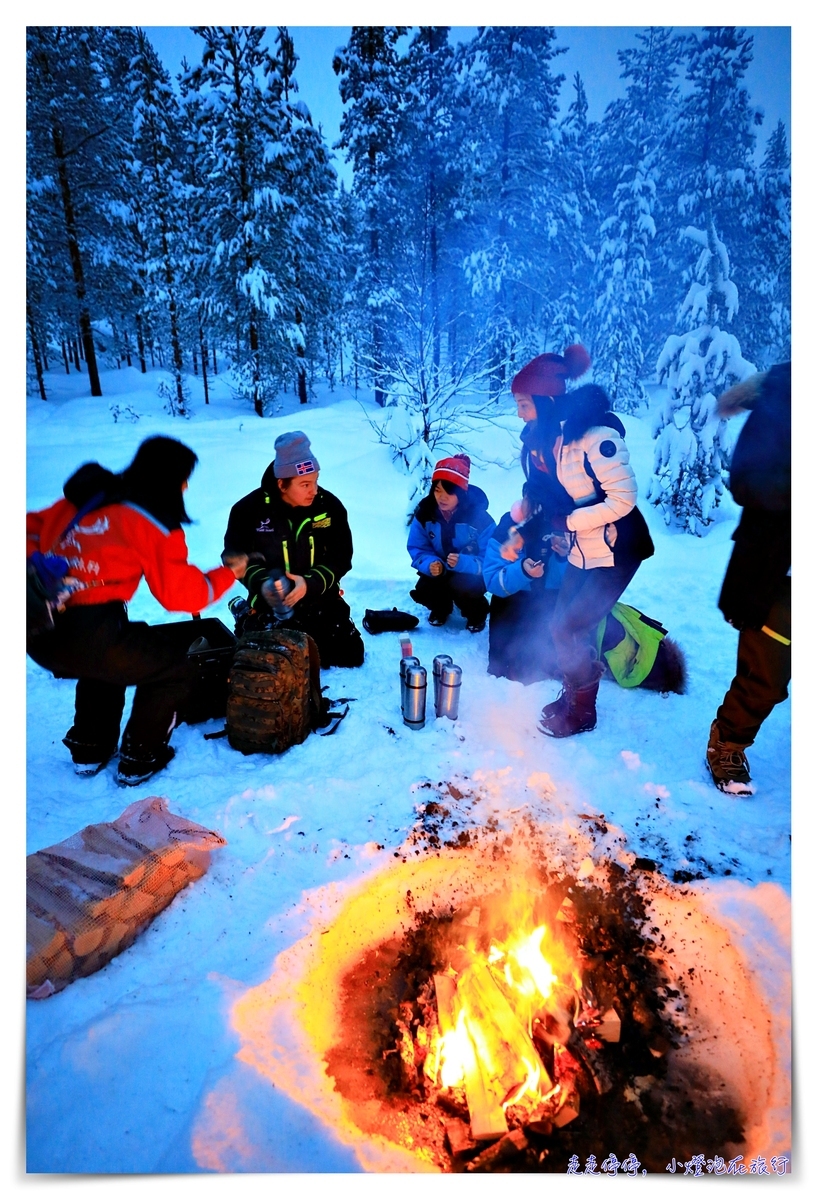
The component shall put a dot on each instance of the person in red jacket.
(129, 527)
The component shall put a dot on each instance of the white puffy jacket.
(592, 533)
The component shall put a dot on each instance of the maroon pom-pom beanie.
(546, 374)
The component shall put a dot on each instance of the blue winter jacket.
(504, 578)
(471, 530)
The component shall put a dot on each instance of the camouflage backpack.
(274, 691)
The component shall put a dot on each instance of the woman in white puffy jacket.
(581, 489)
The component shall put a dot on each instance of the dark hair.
(447, 485)
(154, 479)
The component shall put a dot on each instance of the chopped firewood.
(566, 912)
(453, 1102)
(610, 1027)
(568, 1111)
(502, 1042)
(540, 1127)
(459, 1138)
(486, 1116)
(445, 988)
(512, 1146)
(473, 919)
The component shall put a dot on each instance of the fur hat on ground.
(546, 374)
(455, 470)
(294, 456)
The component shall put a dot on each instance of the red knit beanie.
(546, 374)
(455, 469)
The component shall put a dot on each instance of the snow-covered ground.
(134, 1069)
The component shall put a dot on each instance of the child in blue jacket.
(447, 540)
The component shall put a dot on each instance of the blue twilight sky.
(590, 49)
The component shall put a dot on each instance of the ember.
(517, 1026)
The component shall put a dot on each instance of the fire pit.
(497, 1000)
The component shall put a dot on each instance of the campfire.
(498, 1000)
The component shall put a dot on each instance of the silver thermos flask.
(408, 660)
(439, 662)
(447, 701)
(414, 690)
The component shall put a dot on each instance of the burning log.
(610, 1028)
(511, 1147)
(461, 1143)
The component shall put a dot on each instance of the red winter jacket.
(114, 546)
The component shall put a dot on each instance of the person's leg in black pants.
(329, 623)
(584, 598)
(105, 652)
(469, 594)
(435, 593)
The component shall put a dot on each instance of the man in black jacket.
(755, 595)
(293, 530)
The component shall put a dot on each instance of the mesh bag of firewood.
(89, 897)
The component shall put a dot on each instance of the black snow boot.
(137, 764)
(88, 758)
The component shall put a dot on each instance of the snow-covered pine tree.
(770, 279)
(693, 444)
(76, 141)
(157, 155)
(371, 87)
(574, 252)
(243, 220)
(713, 149)
(631, 151)
(512, 196)
(310, 269)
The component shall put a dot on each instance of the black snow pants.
(328, 622)
(762, 676)
(584, 598)
(440, 593)
(98, 646)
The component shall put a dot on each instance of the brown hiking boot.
(728, 765)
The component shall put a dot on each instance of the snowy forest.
(199, 225)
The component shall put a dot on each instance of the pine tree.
(511, 192)
(770, 279)
(692, 443)
(157, 153)
(310, 267)
(244, 218)
(371, 87)
(574, 252)
(714, 143)
(76, 141)
(632, 149)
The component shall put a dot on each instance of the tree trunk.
(76, 262)
(215, 364)
(65, 357)
(203, 346)
(195, 363)
(75, 354)
(35, 351)
(140, 344)
(300, 353)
